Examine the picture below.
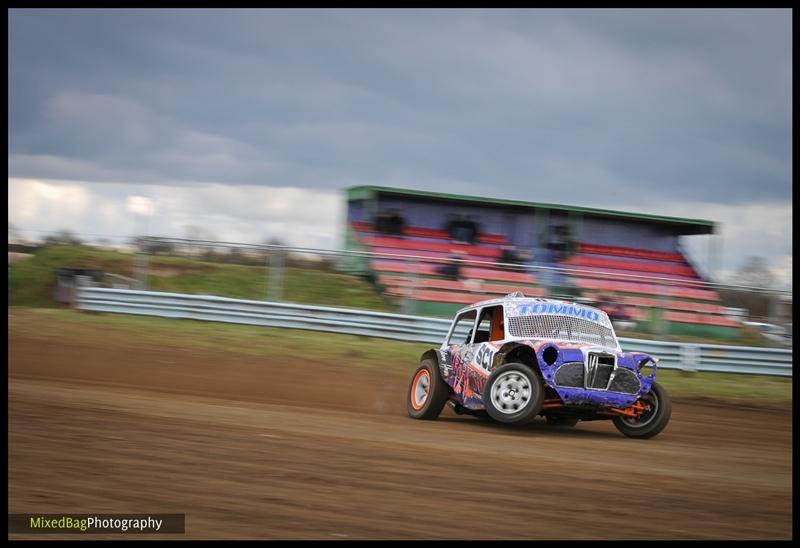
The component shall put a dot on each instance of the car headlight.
(647, 366)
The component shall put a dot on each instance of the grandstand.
(632, 260)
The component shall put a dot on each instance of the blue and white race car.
(515, 358)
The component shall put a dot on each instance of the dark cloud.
(613, 106)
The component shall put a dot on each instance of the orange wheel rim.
(420, 388)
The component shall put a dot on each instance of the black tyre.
(514, 394)
(653, 421)
(566, 422)
(427, 393)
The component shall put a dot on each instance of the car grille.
(599, 370)
(625, 381)
(565, 328)
(570, 374)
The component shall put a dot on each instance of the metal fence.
(413, 284)
(684, 356)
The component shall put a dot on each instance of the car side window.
(461, 332)
(484, 329)
(490, 325)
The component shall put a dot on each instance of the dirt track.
(255, 449)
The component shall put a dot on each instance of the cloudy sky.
(250, 122)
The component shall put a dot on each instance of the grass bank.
(31, 281)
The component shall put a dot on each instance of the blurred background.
(429, 254)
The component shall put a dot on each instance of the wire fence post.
(774, 309)
(275, 264)
(141, 265)
(409, 302)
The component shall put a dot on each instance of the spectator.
(452, 269)
(390, 222)
(461, 229)
(396, 222)
(572, 243)
(474, 230)
(449, 225)
(622, 314)
(455, 227)
(602, 302)
(380, 222)
(559, 243)
(616, 311)
(618, 314)
(509, 255)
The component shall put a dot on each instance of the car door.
(471, 359)
(486, 341)
(456, 353)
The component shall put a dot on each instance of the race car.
(515, 358)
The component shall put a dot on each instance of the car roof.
(516, 297)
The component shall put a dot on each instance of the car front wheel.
(514, 394)
(658, 409)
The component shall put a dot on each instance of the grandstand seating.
(412, 247)
(707, 319)
(433, 233)
(649, 267)
(668, 282)
(630, 252)
(421, 279)
(645, 288)
(430, 269)
(646, 302)
(460, 285)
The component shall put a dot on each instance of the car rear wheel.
(514, 394)
(653, 420)
(427, 393)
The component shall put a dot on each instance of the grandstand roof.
(685, 226)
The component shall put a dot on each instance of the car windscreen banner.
(559, 309)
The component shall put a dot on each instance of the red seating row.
(636, 313)
(632, 276)
(441, 247)
(430, 255)
(647, 289)
(648, 302)
(642, 266)
(439, 296)
(460, 285)
(713, 313)
(631, 252)
(470, 298)
(432, 233)
(362, 226)
(440, 234)
(395, 266)
(705, 319)
(466, 272)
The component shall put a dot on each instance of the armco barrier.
(692, 357)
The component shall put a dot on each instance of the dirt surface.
(249, 448)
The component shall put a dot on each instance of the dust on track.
(254, 448)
